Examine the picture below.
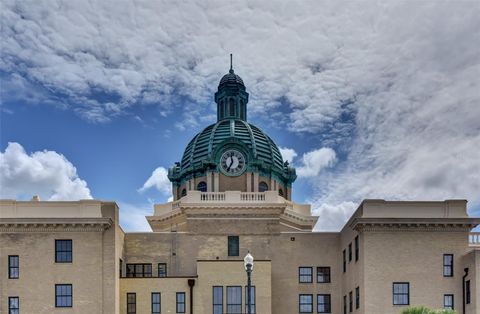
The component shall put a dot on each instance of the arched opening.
(184, 193)
(222, 109)
(232, 107)
(242, 110)
(262, 187)
(280, 192)
(202, 186)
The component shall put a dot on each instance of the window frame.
(144, 274)
(134, 303)
(300, 302)
(234, 304)
(357, 248)
(300, 275)
(177, 303)
(158, 270)
(448, 266)
(263, 186)
(64, 296)
(253, 300)
(232, 252)
(453, 301)
(407, 294)
(159, 303)
(12, 267)
(57, 260)
(12, 310)
(328, 304)
(215, 305)
(326, 275)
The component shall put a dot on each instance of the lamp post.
(248, 263)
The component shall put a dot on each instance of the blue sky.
(369, 100)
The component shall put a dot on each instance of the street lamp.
(248, 263)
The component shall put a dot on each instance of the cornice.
(414, 224)
(14, 225)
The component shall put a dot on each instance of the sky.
(367, 99)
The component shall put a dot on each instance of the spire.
(231, 63)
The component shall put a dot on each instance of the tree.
(425, 310)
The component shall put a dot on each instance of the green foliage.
(425, 310)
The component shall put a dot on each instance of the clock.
(232, 162)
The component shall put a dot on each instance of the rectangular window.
(401, 293)
(162, 270)
(448, 301)
(350, 252)
(324, 303)
(357, 248)
(323, 274)
(233, 246)
(305, 274)
(252, 300)
(180, 302)
(357, 297)
(344, 261)
(63, 295)
(305, 303)
(344, 304)
(13, 305)
(468, 296)
(63, 251)
(120, 268)
(447, 265)
(13, 267)
(234, 300)
(350, 301)
(131, 303)
(156, 303)
(139, 270)
(217, 300)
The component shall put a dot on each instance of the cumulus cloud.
(159, 180)
(132, 216)
(313, 162)
(45, 173)
(333, 217)
(288, 154)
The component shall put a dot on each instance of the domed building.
(232, 154)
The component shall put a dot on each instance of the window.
(447, 265)
(323, 303)
(233, 246)
(344, 261)
(305, 303)
(242, 110)
(350, 252)
(401, 293)
(357, 297)
(357, 249)
(448, 301)
(180, 302)
(344, 304)
(13, 267)
(184, 193)
(350, 301)
(232, 107)
(280, 192)
(120, 267)
(13, 305)
(63, 295)
(162, 270)
(217, 300)
(156, 303)
(131, 303)
(252, 300)
(202, 186)
(468, 296)
(305, 274)
(262, 187)
(323, 274)
(139, 270)
(222, 114)
(63, 251)
(234, 300)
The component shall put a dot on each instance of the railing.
(252, 197)
(212, 197)
(474, 238)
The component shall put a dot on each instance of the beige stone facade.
(396, 242)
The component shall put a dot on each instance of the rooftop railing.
(474, 238)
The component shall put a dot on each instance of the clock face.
(232, 162)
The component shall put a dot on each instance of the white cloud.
(132, 216)
(313, 162)
(45, 173)
(333, 217)
(159, 180)
(288, 154)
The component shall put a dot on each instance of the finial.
(231, 63)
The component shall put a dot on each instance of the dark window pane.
(63, 251)
(233, 246)
(63, 295)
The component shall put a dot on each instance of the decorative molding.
(14, 225)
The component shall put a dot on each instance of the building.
(232, 194)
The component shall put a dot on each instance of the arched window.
(232, 107)
(280, 192)
(262, 187)
(242, 110)
(184, 193)
(202, 186)
(222, 114)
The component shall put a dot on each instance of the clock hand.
(228, 169)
